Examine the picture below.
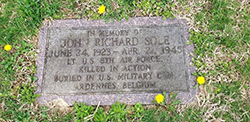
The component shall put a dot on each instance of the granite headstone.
(129, 61)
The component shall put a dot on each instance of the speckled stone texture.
(108, 99)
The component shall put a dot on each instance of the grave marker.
(129, 61)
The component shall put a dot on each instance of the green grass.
(220, 31)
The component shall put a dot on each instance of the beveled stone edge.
(144, 98)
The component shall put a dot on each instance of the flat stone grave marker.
(130, 61)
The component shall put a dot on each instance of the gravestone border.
(143, 98)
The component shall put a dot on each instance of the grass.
(219, 29)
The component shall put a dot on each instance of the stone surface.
(129, 61)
